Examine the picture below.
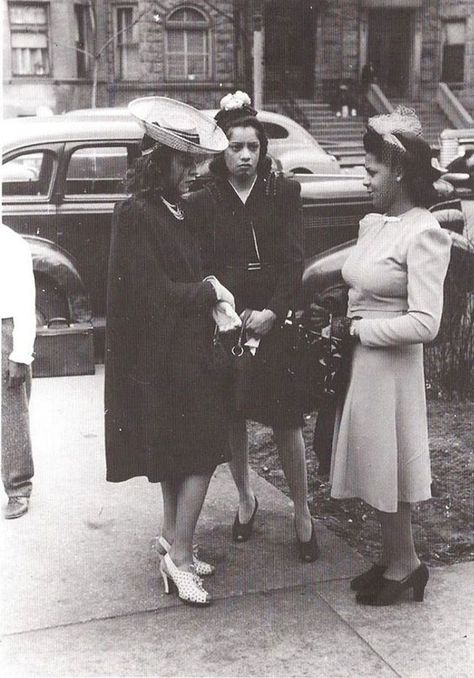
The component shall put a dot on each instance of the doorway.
(390, 48)
(289, 49)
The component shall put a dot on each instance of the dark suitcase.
(63, 350)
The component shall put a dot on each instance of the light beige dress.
(395, 275)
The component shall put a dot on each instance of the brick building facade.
(198, 50)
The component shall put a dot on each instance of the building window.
(454, 40)
(126, 52)
(188, 45)
(29, 38)
(83, 39)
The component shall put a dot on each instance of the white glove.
(222, 292)
(225, 317)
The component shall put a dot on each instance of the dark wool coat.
(267, 228)
(164, 412)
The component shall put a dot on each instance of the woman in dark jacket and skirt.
(251, 232)
(164, 417)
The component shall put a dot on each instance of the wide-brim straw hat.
(178, 125)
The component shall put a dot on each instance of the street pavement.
(82, 596)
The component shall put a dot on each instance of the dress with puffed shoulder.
(395, 275)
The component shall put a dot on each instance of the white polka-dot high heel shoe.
(201, 568)
(187, 584)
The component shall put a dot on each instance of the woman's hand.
(222, 292)
(225, 317)
(260, 322)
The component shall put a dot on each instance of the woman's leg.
(239, 467)
(291, 450)
(169, 491)
(397, 539)
(190, 498)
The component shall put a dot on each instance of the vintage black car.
(62, 176)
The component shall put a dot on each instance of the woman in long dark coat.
(252, 239)
(164, 416)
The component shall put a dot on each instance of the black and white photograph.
(237, 307)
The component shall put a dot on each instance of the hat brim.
(150, 110)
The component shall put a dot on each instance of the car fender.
(55, 263)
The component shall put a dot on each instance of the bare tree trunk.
(94, 83)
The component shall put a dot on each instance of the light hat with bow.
(178, 125)
(402, 132)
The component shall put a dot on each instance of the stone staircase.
(343, 136)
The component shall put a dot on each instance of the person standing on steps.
(249, 220)
(164, 413)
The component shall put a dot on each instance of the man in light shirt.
(17, 307)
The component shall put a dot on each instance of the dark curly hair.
(418, 173)
(149, 173)
(218, 166)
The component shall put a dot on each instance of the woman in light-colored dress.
(395, 275)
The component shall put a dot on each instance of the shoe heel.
(166, 582)
(420, 585)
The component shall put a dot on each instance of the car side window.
(275, 131)
(28, 174)
(97, 170)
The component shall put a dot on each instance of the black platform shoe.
(391, 590)
(243, 531)
(371, 579)
(308, 550)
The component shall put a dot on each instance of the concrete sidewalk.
(82, 594)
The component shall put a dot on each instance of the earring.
(398, 179)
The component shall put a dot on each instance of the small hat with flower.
(401, 131)
(234, 107)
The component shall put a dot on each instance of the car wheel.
(301, 170)
(50, 301)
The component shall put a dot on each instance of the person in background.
(164, 413)
(17, 305)
(395, 275)
(249, 220)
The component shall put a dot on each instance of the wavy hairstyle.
(150, 173)
(218, 166)
(415, 162)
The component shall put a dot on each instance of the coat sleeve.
(428, 257)
(292, 250)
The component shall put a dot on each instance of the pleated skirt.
(380, 444)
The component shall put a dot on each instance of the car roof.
(24, 132)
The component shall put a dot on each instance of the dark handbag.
(314, 362)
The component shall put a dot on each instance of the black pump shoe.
(308, 550)
(372, 579)
(391, 590)
(243, 531)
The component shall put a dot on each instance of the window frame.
(445, 44)
(206, 27)
(100, 198)
(25, 28)
(83, 61)
(42, 198)
(119, 45)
